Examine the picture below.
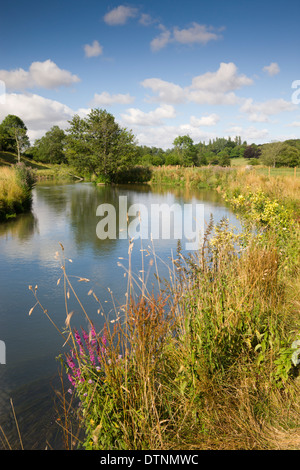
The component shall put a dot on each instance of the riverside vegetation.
(211, 360)
(16, 183)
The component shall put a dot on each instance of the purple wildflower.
(71, 379)
(79, 342)
(87, 341)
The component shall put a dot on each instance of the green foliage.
(278, 154)
(25, 176)
(13, 135)
(51, 147)
(98, 145)
(184, 146)
(259, 209)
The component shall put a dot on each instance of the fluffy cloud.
(106, 99)
(260, 112)
(223, 80)
(164, 136)
(40, 74)
(196, 34)
(250, 134)
(94, 50)
(39, 114)
(210, 88)
(167, 92)
(161, 40)
(210, 120)
(272, 69)
(120, 15)
(137, 117)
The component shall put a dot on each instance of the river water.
(66, 214)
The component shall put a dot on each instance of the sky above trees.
(162, 68)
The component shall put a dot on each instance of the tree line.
(98, 145)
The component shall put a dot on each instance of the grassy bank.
(211, 362)
(233, 181)
(16, 183)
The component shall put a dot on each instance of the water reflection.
(22, 227)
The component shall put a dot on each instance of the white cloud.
(40, 74)
(161, 40)
(210, 120)
(106, 99)
(260, 112)
(167, 92)
(146, 20)
(293, 124)
(120, 15)
(94, 50)
(164, 136)
(213, 97)
(223, 80)
(137, 117)
(250, 134)
(272, 69)
(196, 34)
(38, 113)
(215, 88)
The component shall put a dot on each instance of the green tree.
(51, 147)
(98, 145)
(271, 153)
(186, 150)
(14, 133)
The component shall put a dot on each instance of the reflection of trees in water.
(83, 207)
(78, 203)
(23, 227)
(54, 195)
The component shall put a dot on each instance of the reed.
(15, 190)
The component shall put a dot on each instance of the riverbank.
(16, 183)
(211, 362)
(231, 181)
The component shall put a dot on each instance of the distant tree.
(51, 147)
(223, 158)
(14, 134)
(252, 151)
(184, 146)
(97, 144)
(285, 153)
(271, 153)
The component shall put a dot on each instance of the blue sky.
(162, 68)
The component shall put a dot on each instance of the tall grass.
(205, 364)
(15, 190)
(232, 181)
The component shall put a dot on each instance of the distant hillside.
(8, 159)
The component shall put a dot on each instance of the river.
(65, 214)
